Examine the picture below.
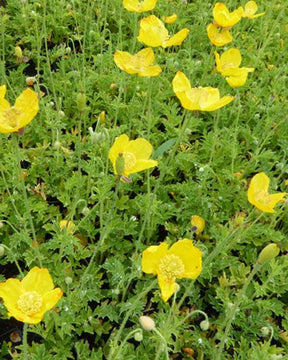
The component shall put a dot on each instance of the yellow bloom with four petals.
(228, 66)
(201, 98)
(153, 33)
(259, 196)
(139, 63)
(14, 118)
(128, 157)
(29, 299)
(182, 260)
(224, 18)
(139, 6)
(218, 36)
(250, 9)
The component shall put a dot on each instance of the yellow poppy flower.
(29, 299)
(139, 63)
(129, 157)
(202, 98)
(228, 65)
(197, 223)
(69, 226)
(182, 260)
(14, 118)
(258, 193)
(153, 33)
(224, 18)
(250, 9)
(139, 6)
(217, 36)
(169, 19)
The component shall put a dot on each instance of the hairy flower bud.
(138, 335)
(2, 250)
(268, 253)
(81, 101)
(147, 323)
(204, 325)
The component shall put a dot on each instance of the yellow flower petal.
(152, 31)
(153, 70)
(38, 280)
(177, 39)
(28, 106)
(250, 9)
(224, 18)
(121, 58)
(230, 59)
(119, 146)
(51, 298)
(217, 36)
(199, 223)
(141, 148)
(5, 107)
(167, 287)
(170, 19)
(191, 257)
(10, 291)
(181, 82)
(139, 6)
(152, 256)
(258, 193)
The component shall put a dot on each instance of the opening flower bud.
(147, 323)
(268, 253)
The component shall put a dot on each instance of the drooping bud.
(138, 335)
(268, 253)
(120, 164)
(81, 101)
(68, 280)
(2, 250)
(147, 323)
(204, 325)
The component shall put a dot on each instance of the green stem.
(131, 333)
(24, 342)
(164, 343)
(231, 315)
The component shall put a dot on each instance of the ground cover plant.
(143, 180)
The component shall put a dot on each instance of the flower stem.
(24, 342)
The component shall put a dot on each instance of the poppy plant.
(139, 63)
(259, 196)
(153, 33)
(139, 6)
(181, 260)
(14, 118)
(224, 18)
(128, 157)
(250, 10)
(218, 36)
(29, 299)
(228, 66)
(201, 98)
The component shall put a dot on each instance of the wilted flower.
(224, 18)
(29, 299)
(218, 36)
(197, 224)
(14, 118)
(182, 260)
(129, 157)
(250, 9)
(153, 33)
(228, 66)
(139, 63)
(169, 19)
(139, 6)
(202, 98)
(258, 193)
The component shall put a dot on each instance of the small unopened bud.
(85, 211)
(57, 144)
(68, 280)
(265, 331)
(2, 250)
(268, 253)
(147, 323)
(138, 336)
(81, 101)
(120, 164)
(204, 325)
(18, 52)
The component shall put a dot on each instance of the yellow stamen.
(30, 302)
(130, 160)
(12, 117)
(171, 266)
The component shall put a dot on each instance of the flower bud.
(81, 101)
(204, 325)
(268, 253)
(138, 336)
(265, 331)
(68, 280)
(2, 250)
(18, 52)
(197, 224)
(147, 323)
(120, 164)
(57, 144)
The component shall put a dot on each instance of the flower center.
(262, 196)
(171, 266)
(11, 116)
(130, 160)
(30, 302)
